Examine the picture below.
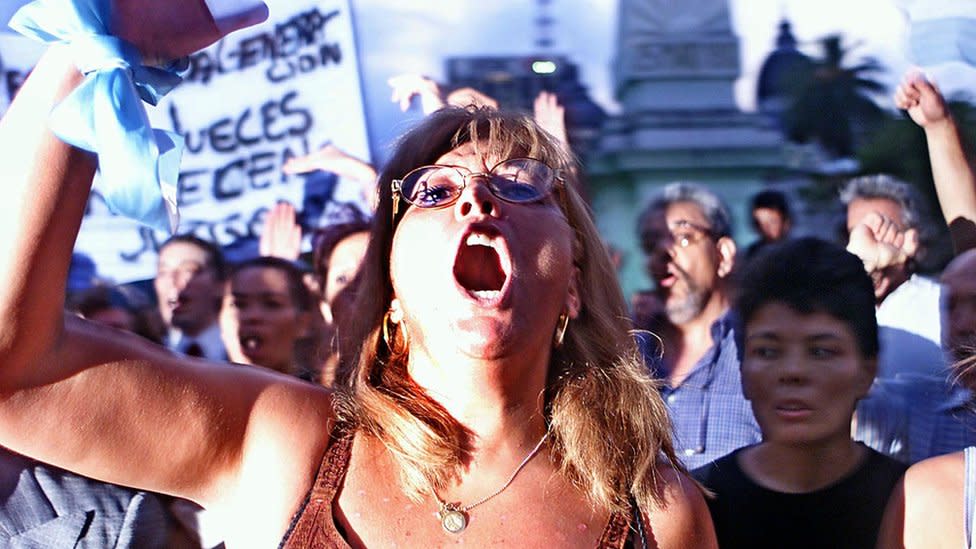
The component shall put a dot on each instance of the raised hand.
(881, 243)
(407, 86)
(952, 171)
(551, 115)
(921, 99)
(163, 30)
(464, 97)
(335, 160)
(282, 235)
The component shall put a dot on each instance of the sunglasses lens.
(522, 180)
(432, 186)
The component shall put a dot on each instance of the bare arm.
(112, 406)
(683, 521)
(955, 182)
(925, 510)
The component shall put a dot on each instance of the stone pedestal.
(675, 69)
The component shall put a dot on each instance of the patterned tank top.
(314, 527)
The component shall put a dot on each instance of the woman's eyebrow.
(767, 334)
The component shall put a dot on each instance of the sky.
(417, 35)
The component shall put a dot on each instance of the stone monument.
(675, 68)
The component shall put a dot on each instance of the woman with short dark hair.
(810, 347)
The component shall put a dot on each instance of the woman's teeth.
(477, 239)
(250, 343)
(486, 294)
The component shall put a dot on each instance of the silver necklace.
(454, 516)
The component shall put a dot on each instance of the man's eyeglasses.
(516, 180)
(680, 234)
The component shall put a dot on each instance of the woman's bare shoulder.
(926, 508)
(293, 415)
(285, 440)
(935, 484)
(681, 519)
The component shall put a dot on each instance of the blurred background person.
(266, 310)
(884, 223)
(686, 233)
(914, 416)
(189, 289)
(120, 308)
(959, 298)
(771, 219)
(339, 251)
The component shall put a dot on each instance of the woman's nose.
(476, 199)
(792, 370)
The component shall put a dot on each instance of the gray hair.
(712, 207)
(882, 186)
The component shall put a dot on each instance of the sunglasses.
(516, 180)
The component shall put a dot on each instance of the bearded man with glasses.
(686, 233)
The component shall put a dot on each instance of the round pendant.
(453, 521)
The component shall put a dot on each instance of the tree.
(832, 104)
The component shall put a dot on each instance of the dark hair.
(88, 303)
(297, 290)
(327, 238)
(811, 275)
(773, 200)
(215, 258)
(97, 299)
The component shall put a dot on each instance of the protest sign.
(247, 104)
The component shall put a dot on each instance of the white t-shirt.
(910, 330)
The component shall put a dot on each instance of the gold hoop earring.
(388, 332)
(563, 323)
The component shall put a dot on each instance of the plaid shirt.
(913, 417)
(710, 415)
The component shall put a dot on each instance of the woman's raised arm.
(109, 405)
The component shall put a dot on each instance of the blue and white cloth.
(139, 165)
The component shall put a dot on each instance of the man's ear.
(869, 368)
(726, 252)
(572, 294)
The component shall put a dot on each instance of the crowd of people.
(459, 365)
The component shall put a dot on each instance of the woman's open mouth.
(482, 265)
(251, 344)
